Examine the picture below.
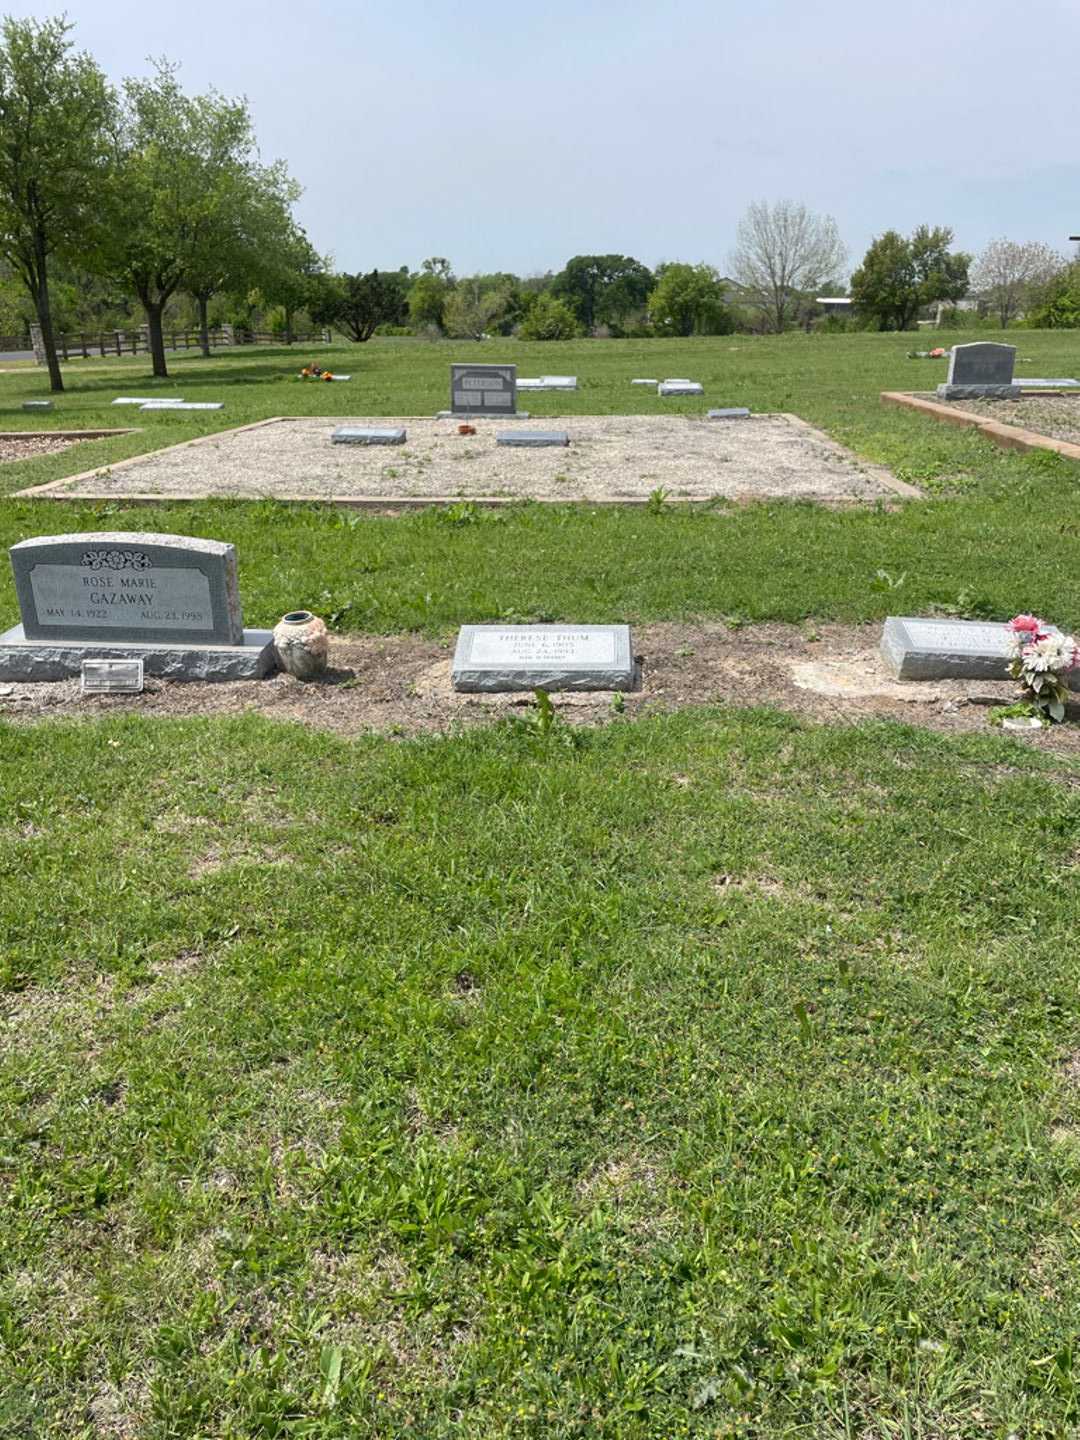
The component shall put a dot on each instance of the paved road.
(16, 355)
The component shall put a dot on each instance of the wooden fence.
(135, 342)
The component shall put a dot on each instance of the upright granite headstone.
(982, 370)
(543, 657)
(170, 600)
(483, 390)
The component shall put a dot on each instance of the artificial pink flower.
(1021, 624)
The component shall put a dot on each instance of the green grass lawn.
(699, 1075)
(996, 537)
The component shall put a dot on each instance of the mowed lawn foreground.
(710, 1074)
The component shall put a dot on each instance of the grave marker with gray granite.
(733, 412)
(37, 405)
(483, 389)
(141, 400)
(170, 600)
(1034, 384)
(644, 382)
(359, 435)
(982, 370)
(532, 439)
(920, 649)
(183, 405)
(680, 387)
(543, 657)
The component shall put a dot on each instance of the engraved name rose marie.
(116, 560)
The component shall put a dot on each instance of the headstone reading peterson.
(483, 390)
(543, 657)
(919, 649)
(168, 600)
(982, 370)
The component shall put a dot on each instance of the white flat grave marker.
(183, 405)
(1031, 384)
(644, 382)
(112, 677)
(143, 400)
(543, 657)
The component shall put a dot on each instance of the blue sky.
(511, 136)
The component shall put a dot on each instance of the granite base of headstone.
(915, 648)
(361, 435)
(453, 415)
(532, 439)
(731, 412)
(493, 658)
(982, 370)
(171, 601)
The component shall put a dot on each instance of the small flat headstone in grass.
(549, 382)
(532, 439)
(644, 382)
(144, 400)
(921, 649)
(112, 677)
(732, 412)
(543, 657)
(1034, 384)
(363, 435)
(183, 405)
(680, 387)
(37, 404)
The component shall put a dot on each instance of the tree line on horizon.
(143, 197)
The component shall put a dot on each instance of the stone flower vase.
(302, 644)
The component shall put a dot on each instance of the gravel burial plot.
(611, 457)
(23, 446)
(1057, 416)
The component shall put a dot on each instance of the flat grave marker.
(916, 648)
(644, 382)
(360, 435)
(112, 677)
(143, 400)
(171, 600)
(549, 382)
(483, 389)
(183, 405)
(680, 387)
(532, 439)
(732, 412)
(37, 404)
(981, 370)
(493, 658)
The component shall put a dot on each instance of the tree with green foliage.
(55, 109)
(430, 291)
(600, 289)
(246, 238)
(899, 276)
(1057, 305)
(359, 304)
(289, 275)
(180, 164)
(474, 309)
(548, 318)
(689, 300)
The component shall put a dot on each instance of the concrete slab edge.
(1009, 437)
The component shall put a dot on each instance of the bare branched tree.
(1008, 272)
(783, 249)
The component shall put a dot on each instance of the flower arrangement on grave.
(1040, 658)
(315, 372)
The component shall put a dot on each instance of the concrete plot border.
(53, 489)
(67, 434)
(1009, 437)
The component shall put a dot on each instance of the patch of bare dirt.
(400, 685)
